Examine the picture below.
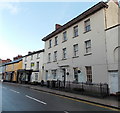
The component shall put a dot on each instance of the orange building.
(11, 70)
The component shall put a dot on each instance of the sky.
(24, 24)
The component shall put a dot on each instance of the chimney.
(57, 26)
(29, 52)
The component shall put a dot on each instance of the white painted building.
(85, 49)
(34, 62)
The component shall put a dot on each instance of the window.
(25, 59)
(75, 47)
(64, 36)
(87, 25)
(50, 43)
(56, 40)
(37, 66)
(31, 57)
(55, 56)
(38, 55)
(89, 73)
(75, 31)
(76, 74)
(88, 46)
(32, 64)
(36, 76)
(49, 57)
(64, 53)
(25, 66)
(54, 74)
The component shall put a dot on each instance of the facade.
(33, 65)
(86, 48)
(2, 67)
(11, 70)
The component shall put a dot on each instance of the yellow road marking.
(82, 101)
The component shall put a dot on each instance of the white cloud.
(12, 8)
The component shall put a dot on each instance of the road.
(19, 98)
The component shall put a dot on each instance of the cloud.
(12, 8)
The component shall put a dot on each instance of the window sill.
(55, 44)
(64, 41)
(75, 57)
(87, 31)
(87, 54)
(64, 59)
(49, 47)
(75, 36)
(48, 62)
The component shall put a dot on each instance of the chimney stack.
(57, 26)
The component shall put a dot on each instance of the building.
(11, 70)
(33, 66)
(2, 67)
(85, 49)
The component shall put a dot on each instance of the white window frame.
(88, 46)
(64, 53)
(56, 40)
(54, 73)
(55, 55)
(89, 73)
(64, 36)
(49, 57)
(75, 31)
(75, 49)
(87, 25)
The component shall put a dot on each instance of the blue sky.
(24, 24)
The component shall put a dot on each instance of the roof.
(15, 61)
(39, 51)
(82, 16)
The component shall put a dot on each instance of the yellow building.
(11, 70)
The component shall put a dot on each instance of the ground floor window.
(36, 76)
(54, 74)
(89, 73)
(76, 74)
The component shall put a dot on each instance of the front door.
(113, 82)
(64, 75)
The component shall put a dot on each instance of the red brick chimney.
(57, 26)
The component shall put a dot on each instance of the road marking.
(14, 91)
(82, 101)
(35, 99)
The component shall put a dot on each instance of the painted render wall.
(35, 60)
(98, 57)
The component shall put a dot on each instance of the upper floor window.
(37, 66)
(56, 40)
(89, 73)
(49, 57)
(38, 55)
(25, 66)
(64, 53)
(25, 59)
(75, 48)
(32, 64)
(54, 74)
(31, 57)
(87, 25)
(75, 31)
(88, 46)
(55, 56)
(50, 43)
(64, 36)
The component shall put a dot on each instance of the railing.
(93, 89)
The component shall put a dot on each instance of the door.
(64, 76)
(113, 82)
(46, 75)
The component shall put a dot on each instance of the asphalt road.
(19, 98)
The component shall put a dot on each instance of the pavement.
(110, 101)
